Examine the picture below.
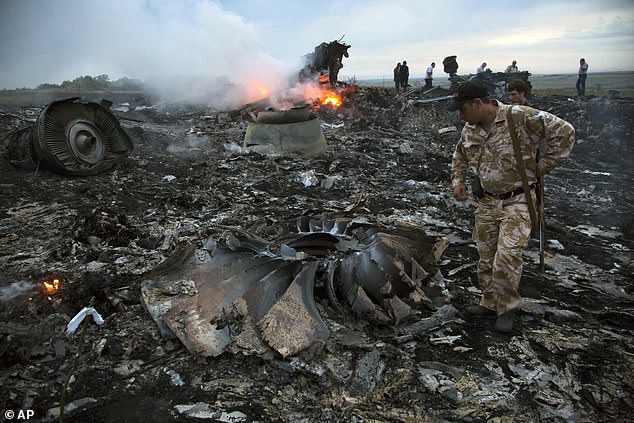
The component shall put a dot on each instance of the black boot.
(504, 322)
(478, 310)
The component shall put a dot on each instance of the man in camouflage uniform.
(502, 220)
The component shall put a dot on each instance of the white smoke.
(187, 51)
(7, 293)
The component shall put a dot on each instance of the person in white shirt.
(481, 68)
(512, 68)
(428, 75)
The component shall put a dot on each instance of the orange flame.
(331, 98)
(256, 89)
(52, 286)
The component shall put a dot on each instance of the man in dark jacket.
(397, 77)
(404, 75)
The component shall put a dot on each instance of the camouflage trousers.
(501, 231)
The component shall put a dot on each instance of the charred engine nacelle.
(327, 58)
(72, 138)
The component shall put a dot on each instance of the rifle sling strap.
(522, 168)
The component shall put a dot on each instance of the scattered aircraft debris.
(189, 181)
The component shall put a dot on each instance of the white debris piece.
(175, 378)
(234, 148)
(71, 408)
(123, 107)
(94, 266)
(555, 244)
(169, 178)
(202, 410)
(447, 129)
(449, 339)
(406, 148)
(309, 178)
(79, 317)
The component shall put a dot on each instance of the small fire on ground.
(322, 96)
(51, 286)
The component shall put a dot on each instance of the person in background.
(502, 219)
(583, 74)
(397, 77)
(512, 68)
(481, 68)
(429, 75)
(517, 91)
(404, 75)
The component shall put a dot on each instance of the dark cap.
(470, 90)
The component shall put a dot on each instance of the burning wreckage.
(343, 265)
(325, 62)
(297, 130)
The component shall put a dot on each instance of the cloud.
(56, 40)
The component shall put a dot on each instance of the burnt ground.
(569, 358)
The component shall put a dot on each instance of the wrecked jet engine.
(450, 66)
(70, 137)
(324, 63)
(292, 131)
(242, 294)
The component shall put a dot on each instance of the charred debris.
(314, 274)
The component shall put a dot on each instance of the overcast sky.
(56, 40)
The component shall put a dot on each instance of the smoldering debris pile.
(190, 188)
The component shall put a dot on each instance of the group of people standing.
(401, 76)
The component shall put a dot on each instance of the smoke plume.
(187, 51)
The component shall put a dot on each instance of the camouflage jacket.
(490, 154)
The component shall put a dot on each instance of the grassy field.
(598, 84)
(37, 98)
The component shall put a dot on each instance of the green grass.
(599, 84)
(596, 91)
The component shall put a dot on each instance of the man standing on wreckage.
(502, 219)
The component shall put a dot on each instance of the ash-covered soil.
(569, 358)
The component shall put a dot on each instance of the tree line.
(99, 82)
